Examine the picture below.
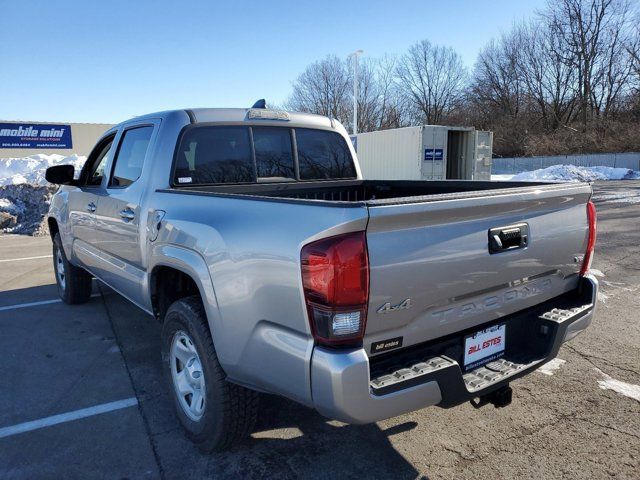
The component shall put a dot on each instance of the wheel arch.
(177, 272)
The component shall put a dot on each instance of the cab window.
(130, 156)
(93, 171)
(215, 155)
(323, 155)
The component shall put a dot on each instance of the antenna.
(262, 103)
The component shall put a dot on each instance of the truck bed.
(429, 244)
(369, 192)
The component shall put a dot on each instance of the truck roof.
(206, 115)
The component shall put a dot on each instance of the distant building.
(425, 152)
(21, 139)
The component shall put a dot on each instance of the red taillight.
(591, 243)
(335, 278)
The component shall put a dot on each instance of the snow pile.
(574, 173)
(16, 171)
(8, 206)
(550, 367)
(23, 208)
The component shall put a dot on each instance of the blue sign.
(35, 135)
(432, 154)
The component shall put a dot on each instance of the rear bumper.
(347, 387)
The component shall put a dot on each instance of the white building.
(427, 152)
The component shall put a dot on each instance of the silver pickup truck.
(274, 267)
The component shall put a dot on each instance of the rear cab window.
(274, 153)
(215, 155)
(323, 155)
(209, 155)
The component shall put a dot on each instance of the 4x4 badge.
(388, 308)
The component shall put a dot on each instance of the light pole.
(355, 56)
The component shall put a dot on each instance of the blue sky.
(106, 61)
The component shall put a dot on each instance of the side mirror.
(60, 174)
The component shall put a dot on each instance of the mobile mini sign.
(432, 154)
(35, 135)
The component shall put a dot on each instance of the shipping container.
(427, 152)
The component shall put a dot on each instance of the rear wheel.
(74, 283)
(214, 412)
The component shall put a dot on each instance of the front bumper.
(347, 386)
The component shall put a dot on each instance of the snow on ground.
(502, 177)
(629, 196)
(551, 366)
(8, 206)
(571, 173)
(15, 171)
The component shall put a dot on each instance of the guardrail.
(629, 160)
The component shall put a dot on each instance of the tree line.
(566, 81)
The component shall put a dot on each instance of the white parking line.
(67, 417)
(30, 304)
(25, 258)
(35, 304)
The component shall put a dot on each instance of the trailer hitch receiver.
(500, 398)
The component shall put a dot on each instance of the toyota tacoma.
(273, 266)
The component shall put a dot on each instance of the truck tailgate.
(431, 270)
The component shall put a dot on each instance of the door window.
(93, 171)
(130, 156)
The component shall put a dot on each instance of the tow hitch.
(500, 398)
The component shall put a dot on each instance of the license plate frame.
(484, 346)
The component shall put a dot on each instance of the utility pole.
(355, 56)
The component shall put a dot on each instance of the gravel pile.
(23, 208)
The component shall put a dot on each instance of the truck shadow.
(298, 442)
(289, 440)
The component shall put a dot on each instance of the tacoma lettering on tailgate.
(491, 302)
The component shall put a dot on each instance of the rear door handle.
(127, 214)
(91, 207)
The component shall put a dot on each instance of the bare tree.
(497, 85)
(326, 88)
(550, 82)
(589, 30)
(633, 47)
(432, 80)
(393, 111)
(368, 106)
(323, 88)
(379, 103)
(614, 67)
(567, 80)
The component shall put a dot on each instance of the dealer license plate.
(484, 346)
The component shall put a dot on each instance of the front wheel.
(74, 283)
(214, 412)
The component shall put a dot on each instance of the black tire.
(74, 283)
(230, 411)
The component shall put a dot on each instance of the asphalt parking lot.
(82, 395)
